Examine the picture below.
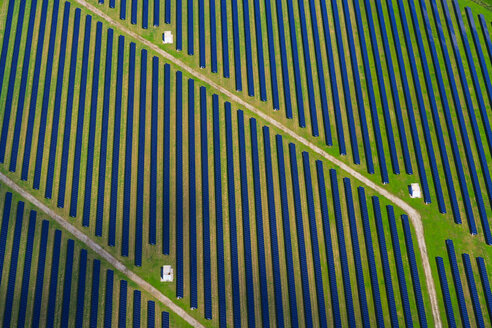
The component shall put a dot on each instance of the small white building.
(414, 190)
(167, 37)
(167, 273)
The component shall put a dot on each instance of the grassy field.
(152, 258)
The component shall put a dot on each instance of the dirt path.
(412, 213)
(101, 251)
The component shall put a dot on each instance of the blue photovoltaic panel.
(56, 110)
(14, 257)
(26, 276)
(224, 35)
(150, 314)
(237, 51)
(399, 266)
(122, 303)
(383, 252)
(370, 256)
(92, 127)
(123, 9)
(166, 159)
(343, 68)
(153, 151)
(156, 12)
(136, 308)
(167, 14)
(335, 305)
(189, 9)
(108, 303)
(134, 11)
(420, 102)
(38, 292)
(128, 153)
(104, 134)
(116, 143)
(463, 129)
(35, 81)
(201, 32)
(236, 299)
(95, 293)
(393, 88)
(356, 251)
(55, 265)
(46, 95)
(259, 224)
(23, 86)
(259, 52)
(79, 315)
(414, 271)
(457, 283)
(314, 241)
(248, 257)
(191, 187)
(80, 119)
(179, 22)
(141, 158)
(219, 225)
(179, 184)
(482, 269)
(347, 286)
(213, 36)
(435, 113)
(286, 231)
(67, 284)
(473, 290)
(12, 78)
(207, 283)
(445, 292)
(4, 230)
(273, 228)
(165, 319)
(68, 111)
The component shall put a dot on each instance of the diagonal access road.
(412, 213)
(144, 285)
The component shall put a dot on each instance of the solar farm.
(292, 163)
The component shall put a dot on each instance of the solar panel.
(150, 314)
(38, 292)
(67, 284)
(79, 315)
(445, 292)
(95, 293)
(108, 303)
(457, 283)
(207, 283)
(55, 265)
(80, 119)
(192, 192)
(122, 303)
(179, 183)
(473, 290)
(154, 151)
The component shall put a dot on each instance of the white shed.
(167, 273)
(415, 192)
(167, 37)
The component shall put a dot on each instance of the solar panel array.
(52, 290)
(365, 98)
